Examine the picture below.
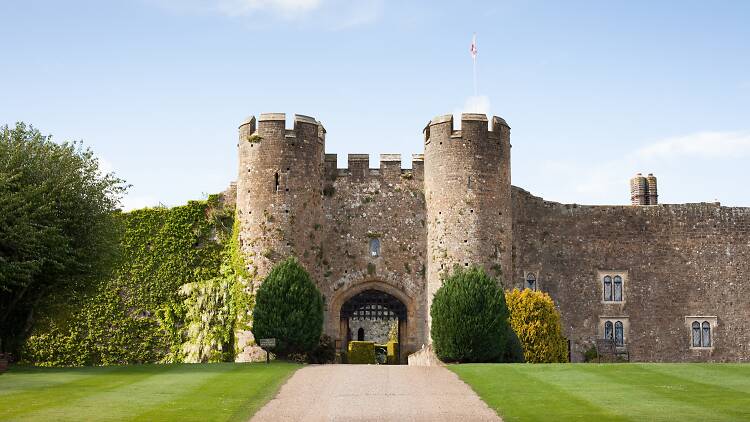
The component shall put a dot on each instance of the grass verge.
(612, 392)
(176, 392)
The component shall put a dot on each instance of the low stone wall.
(424, 357)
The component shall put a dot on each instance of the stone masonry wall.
(678, 261)
(467, 189)
(361, 204)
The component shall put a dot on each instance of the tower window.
(531, 281)
(468, 184)
(374, 247)
(276, 182)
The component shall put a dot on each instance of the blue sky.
(594, 91)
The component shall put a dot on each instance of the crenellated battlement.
(358, 166)
(476, 123)
(273, 126)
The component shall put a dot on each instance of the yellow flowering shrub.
(536, 322)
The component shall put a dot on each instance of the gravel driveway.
(375, 393)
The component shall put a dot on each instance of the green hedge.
(393, 349)
(361, 352)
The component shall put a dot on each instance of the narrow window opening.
(618, 289)
(619, 334)
(468, 184)
(706, 337)
(531, 281)
(608, 331)
(375, 247)
(696, 334)
(607, 288)
(276, 182)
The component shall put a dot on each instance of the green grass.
(612, 392)
(180, 392)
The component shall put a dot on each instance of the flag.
(473, 48)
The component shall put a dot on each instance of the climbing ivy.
(176, 294)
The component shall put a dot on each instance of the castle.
(665, 282)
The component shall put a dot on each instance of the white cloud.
(328, 14)
(671, 159)
(473, 104)
(287, 8)
(703, 144)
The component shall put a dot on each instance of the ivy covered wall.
(175, 295)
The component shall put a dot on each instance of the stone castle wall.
(677, 261)
(387, 204)
(456, 207)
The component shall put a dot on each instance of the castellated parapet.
(396, 231)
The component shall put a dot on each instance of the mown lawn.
(181, 392)
(612, 392)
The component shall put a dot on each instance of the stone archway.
(374, 300)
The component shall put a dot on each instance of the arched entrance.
(373, 315)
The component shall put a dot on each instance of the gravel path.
(375, 393)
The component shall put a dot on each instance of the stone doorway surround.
(337, 326)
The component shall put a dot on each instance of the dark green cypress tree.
(469, 318)
(289, 308)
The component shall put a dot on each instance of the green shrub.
(289, 308)
(590, 354)
(361, 352)
(469, 318)
(535, 319)
(324, 352)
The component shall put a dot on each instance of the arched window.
(361, 334)
(374, 247)
(696, 334)
(531, 281)
(619, 334)
(617, 296)
(706, 337)
(276, 182)
(608, 332)
(607, 288)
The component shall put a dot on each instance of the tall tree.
(57, 222)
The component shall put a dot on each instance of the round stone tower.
(279, 202)
(467, 194)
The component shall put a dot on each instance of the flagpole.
(475, 76)
(474, 59)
